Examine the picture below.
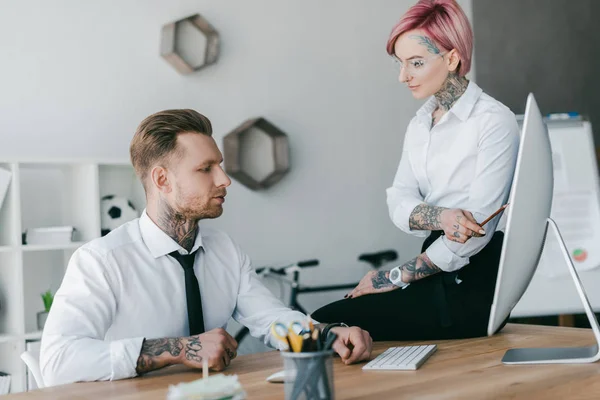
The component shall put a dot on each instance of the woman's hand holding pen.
(459, 225)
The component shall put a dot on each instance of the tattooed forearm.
(418, 268)
(177, 226)
(157, 353)
(426, 218)
(452, 88)
(381, 280)
(427, 42)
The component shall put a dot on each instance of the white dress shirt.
(465, 161)
(122, 288)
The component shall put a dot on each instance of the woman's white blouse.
(466, 161)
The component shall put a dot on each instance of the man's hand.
(459, 225)
(217, 346)
(352, 344)
(373, 282)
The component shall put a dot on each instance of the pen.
(498, 211)
(316, 338)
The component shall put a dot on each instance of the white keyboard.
(401, 358)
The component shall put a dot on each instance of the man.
(126, 306)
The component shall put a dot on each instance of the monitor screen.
(529, 208)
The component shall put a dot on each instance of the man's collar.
(158, 242)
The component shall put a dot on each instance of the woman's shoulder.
(488, 106)
(491, 113)
(494, 121)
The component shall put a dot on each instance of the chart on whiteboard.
(574, 214)
(575, 205)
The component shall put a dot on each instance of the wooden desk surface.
(460, 369)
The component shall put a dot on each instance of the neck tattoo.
(451, 90)
(181, 229)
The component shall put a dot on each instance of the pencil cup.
(310, 375)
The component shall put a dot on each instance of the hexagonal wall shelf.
(189, 44)
(256, 154)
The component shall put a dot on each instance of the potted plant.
(47, 298)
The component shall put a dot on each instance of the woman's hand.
(459, 225)
(373, 282)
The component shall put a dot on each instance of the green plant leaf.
(47, 298)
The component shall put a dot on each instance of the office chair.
(32, 360)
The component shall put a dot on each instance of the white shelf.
(42, 247)
(45, 193)
(8, 338)
(45, 247)
(33, 335)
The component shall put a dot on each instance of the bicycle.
(376, 261)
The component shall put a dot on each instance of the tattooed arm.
(217, 346)
(418, 268)
(379, 281)
(458, 225)
(158, 353)
(426, 218)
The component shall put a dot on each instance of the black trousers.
(433, 308)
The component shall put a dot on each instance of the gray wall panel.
(548, 47)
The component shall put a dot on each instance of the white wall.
(76, 77)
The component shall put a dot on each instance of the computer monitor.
(530, 201)
(528, 220)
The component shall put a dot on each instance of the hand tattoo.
(418, 268)
(193, 348)
(230, 353)
(425, 217)
(381, 280)
(154, 348)
(456, 235)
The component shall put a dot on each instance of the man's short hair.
(155, 140)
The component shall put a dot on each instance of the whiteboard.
(576, 210)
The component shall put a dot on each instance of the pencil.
(498, 211)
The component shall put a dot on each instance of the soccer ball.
(115, 211)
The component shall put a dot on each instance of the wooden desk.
(460, 369)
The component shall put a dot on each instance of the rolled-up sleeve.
(73, 347)
(496, 159)
(404, 194)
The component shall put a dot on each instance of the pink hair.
(445, 22)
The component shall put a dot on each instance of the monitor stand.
(558, 355)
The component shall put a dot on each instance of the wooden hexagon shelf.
(189, 44)
(256, 154)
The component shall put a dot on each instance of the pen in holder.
(313, 372)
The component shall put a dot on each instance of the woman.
(456, 169)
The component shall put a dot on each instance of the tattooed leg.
(426, 218)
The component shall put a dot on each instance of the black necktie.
(192, 292)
